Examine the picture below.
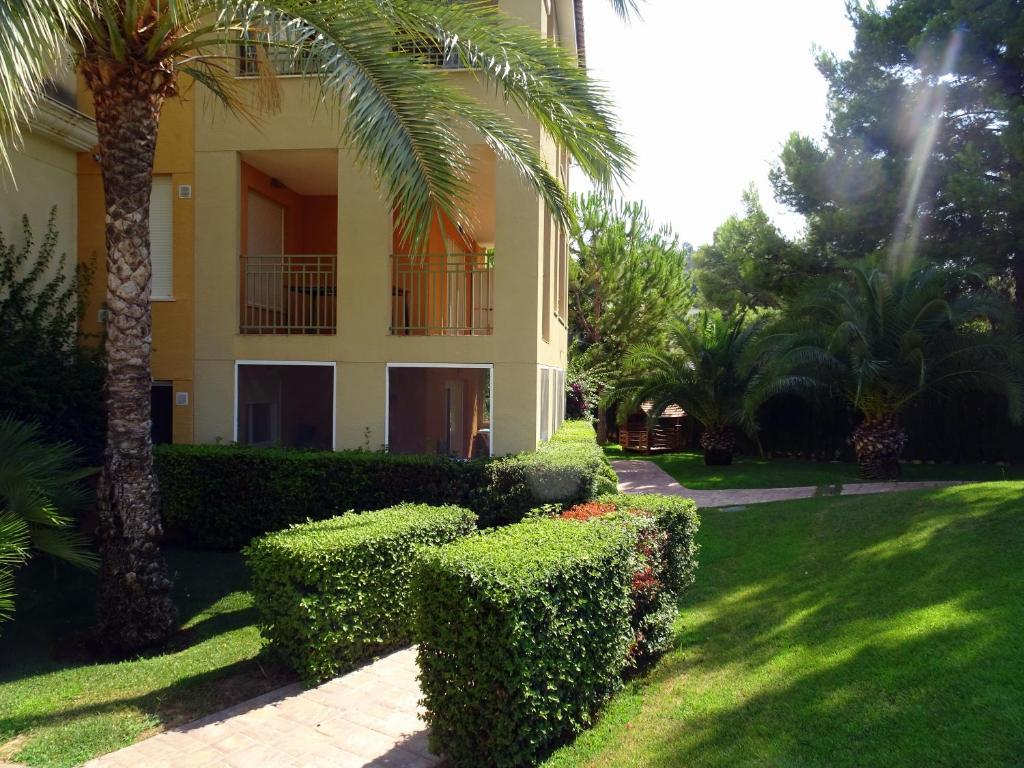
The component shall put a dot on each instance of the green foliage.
(335, 592)
(584, 381)
(523, 634)
(678, 518)
(884, 337)
(701, 368)
(40, 490)
(627, 277)
(403, 118)
(221, 496)
(749, 263)
(925, 146)
(566, 470)
(48, 377)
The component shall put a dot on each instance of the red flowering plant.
(653, 609)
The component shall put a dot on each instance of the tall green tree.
(885, 337)
(403, 117)
(749, 263)
(628, 279)
(925, 148)
(701, 366)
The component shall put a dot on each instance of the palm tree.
(40, 489)
(402, 116)
(701, 368)
(883, 338)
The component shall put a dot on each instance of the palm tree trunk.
(134, 608)
(878, 441)
(718, 443)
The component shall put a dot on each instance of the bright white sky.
(708, 92)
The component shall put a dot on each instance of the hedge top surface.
(528, 552)
(276, 453)
(353, 529)
(651, 503)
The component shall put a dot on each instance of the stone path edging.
(643, 476)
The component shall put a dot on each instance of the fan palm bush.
(40, 490)
(404, 118)
(883, 338)
(701, 367)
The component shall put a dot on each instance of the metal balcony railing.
(442, 294)
(289, 294)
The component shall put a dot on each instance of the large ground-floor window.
(437, 409)
(285, 404)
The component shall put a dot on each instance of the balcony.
(442, 294)
(288, 294)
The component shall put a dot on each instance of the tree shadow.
(853, 634)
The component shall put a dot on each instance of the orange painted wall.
(310, 221)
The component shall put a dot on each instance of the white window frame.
(170, 261)
(387, 394)
(334, 391)
(556, 409)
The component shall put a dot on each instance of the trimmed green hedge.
(568, 469)
(523, 634)
(677, 517)
(333, 592)
(220, 497)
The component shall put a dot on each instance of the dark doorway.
(161, 400)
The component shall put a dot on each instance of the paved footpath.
(369, 717)
(640, 476)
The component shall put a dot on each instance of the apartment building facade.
(286, 311)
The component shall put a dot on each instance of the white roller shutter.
(161, 238)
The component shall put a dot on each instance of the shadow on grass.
(846, 632)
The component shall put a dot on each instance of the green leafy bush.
(523, 633)
(48, 377)
(333, 592)
(653, 606)
(221, 496)
(568, 469)
(677, 517)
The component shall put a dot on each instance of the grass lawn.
(861, 631)
(57, 708)
(752, 472)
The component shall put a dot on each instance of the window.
(161, 238)
(545, 304)
(439, 410)
(285, 404)
(545, 404)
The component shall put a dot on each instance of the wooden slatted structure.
(665, 434)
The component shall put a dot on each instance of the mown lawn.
(861, 631)
(751, 472)
(58, 707)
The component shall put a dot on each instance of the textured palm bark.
(134, 608)
(878, 442)
(718, 444)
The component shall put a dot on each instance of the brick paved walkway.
(369, 717)
(640, 476)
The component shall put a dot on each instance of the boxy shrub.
(219, 497)
(568, 469)
(523, 633)
(333, 592)
(677, 517)
(664, 550)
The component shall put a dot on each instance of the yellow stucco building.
(286, 311)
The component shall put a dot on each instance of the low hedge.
(523, 633)
(677, 517)
(665, 527)
(568, 469)
(220, 497)
(333, 592)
